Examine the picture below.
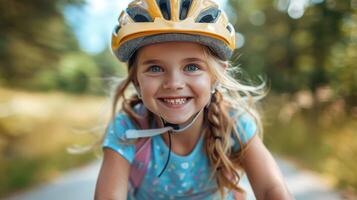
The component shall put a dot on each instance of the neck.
(184, 142)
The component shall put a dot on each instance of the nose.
(174, 81)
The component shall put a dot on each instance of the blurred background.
(55, 64)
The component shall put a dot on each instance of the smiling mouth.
(175, 101)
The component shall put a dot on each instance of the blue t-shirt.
(186, 177)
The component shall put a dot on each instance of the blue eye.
(155, 68)
(191, 67)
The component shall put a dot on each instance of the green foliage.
(317, 49)
(38, 50)
(78, 73)
(33, 36)
(109, 65)
(22, 172)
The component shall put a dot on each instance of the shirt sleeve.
(116, 132)
(247, 128)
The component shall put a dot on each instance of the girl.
(199, 123)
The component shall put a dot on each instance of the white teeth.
(175, 101)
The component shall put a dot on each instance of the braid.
(218, 145)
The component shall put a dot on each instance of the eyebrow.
(155, 61)
(152, 61)
(193, 60)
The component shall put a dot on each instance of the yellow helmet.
(147, 22)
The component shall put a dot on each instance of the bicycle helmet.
(146, 22)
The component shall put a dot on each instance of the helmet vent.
(165, 8)
(229, 28)
(138, 14)
(208, 16)
(184, 8)
(116, 29)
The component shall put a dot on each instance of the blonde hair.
(230, 95)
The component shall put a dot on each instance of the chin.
(175, 121)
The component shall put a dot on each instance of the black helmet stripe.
(139, 15)
(165, 8)
(208, 16)
(116, 29)
(229, 28)
(184, 8)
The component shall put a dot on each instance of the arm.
(112, 183)
(263, 173)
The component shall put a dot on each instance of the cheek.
(148, 86)
(202, 87)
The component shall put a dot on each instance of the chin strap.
(175, 128)
(168, 157)
(168, 127)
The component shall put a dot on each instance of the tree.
(33, 36)
(317, 49)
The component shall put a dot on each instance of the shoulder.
(247, 123)
(245, 127)
(120, 124)
(115, 135)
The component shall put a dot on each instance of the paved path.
(79, 184)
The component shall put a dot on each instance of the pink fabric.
(141, 162)
(239, 196)
(142, 156)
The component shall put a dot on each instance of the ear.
(225, 65)
(214, 87)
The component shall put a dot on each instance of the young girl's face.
(173, 79)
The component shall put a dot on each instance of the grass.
(321, 138)
(35, 131)
(21, 173)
